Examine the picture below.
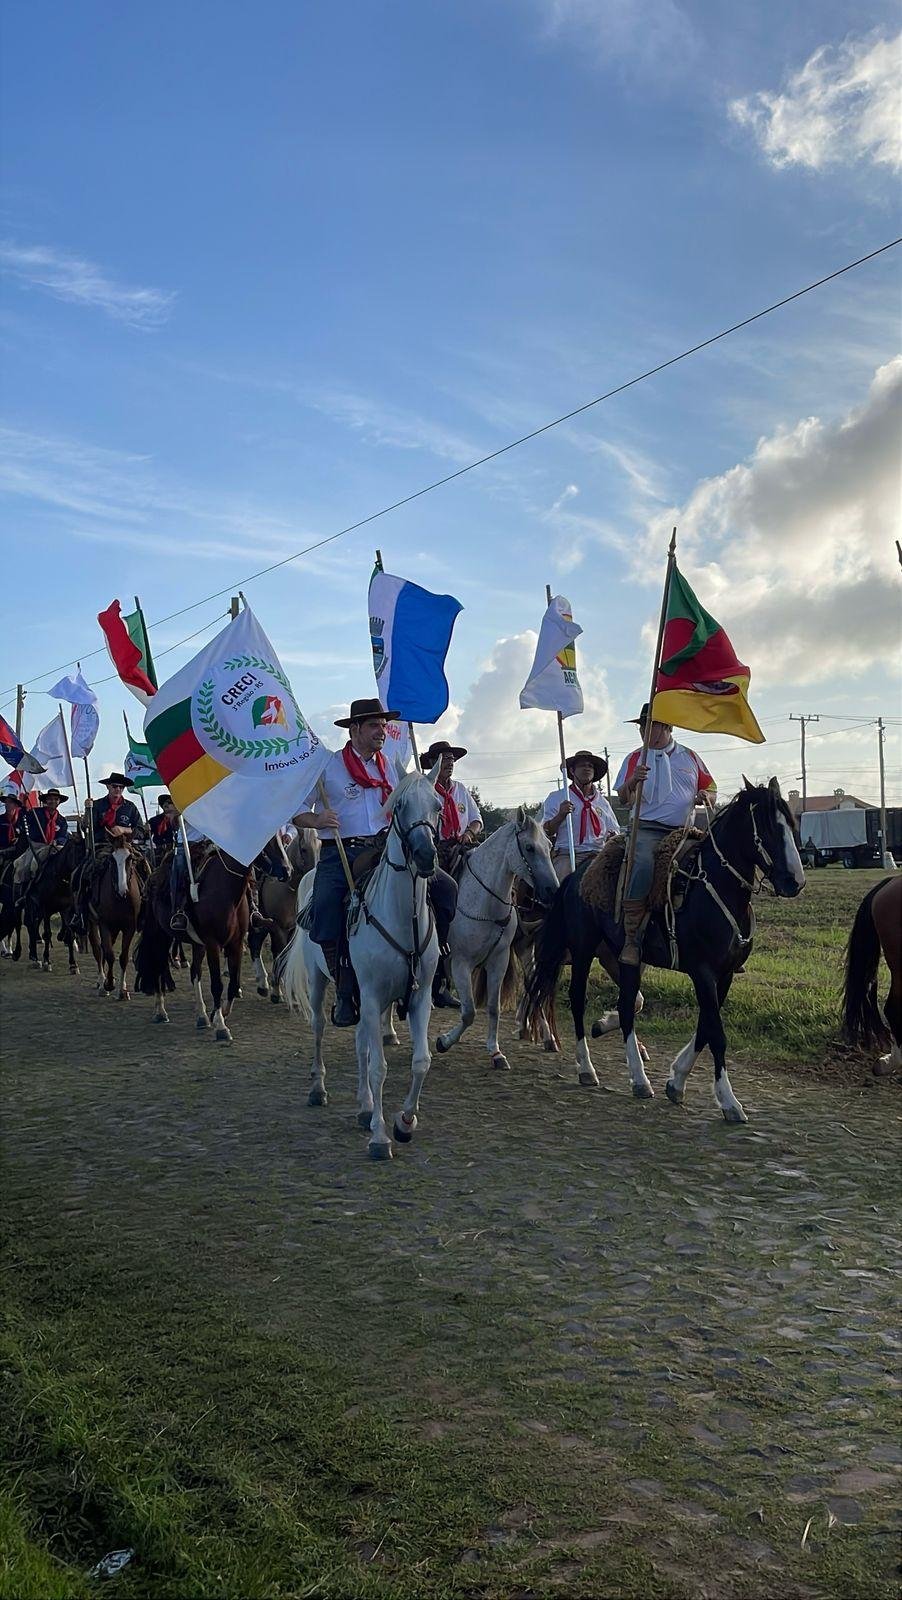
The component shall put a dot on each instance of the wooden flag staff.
(342, 853)
(630, 856)
(571, 842)
(411, 735)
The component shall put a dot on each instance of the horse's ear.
(774, 788)
(746, 782)
(433, 773)
(522, 816)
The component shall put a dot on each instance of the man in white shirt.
(461, 821)
(357, 782)
(593, 820)
(676, 780)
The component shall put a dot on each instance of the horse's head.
(773, 839)
(415, 809)
(529, 856)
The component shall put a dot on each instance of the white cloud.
(794, 550)
(844, 105)
(654, 37)
(381, 423)
(67, 277)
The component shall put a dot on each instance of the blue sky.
(269, 268)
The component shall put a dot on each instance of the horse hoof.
(319, 1097)
(33, 961)
(643, 1091)
(442, 1045)
(159, 1019)
(380, 1152)
(200, 1023)
(501, 1062)
(262, 992)
(588, 1080)
(403, 1131)
(46, 966)
(364, 1118)
(733, 1114)
(275, 998)
(391, 1039)
(674, 1095)
(551, 1047)
(223, 1036)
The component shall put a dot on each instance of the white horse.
(393, 947)
(485, 922)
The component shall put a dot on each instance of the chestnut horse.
(217, 922)
(877, 927)
(113, 904)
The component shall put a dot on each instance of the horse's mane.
(405, 785)
(767, 794)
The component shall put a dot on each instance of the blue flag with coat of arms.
(410, 631)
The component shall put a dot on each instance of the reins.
(698, 874)
(414, 955)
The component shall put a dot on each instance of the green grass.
(785, 1007)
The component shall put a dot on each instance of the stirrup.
(344, 1013)
(178, 922)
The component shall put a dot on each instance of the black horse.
(712, 931)
(49, 891)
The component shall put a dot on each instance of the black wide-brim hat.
(440, 748)
(118, 777)
(165, 800)
(362, 710)
(640, 720)
(62, 798)
(599, 764)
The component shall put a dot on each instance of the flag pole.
(69, 756)
(565, 776)
(192, 889)
(411, 735)
(630, 855)
(84, 758)
(342, 853)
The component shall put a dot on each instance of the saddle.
(598, 884)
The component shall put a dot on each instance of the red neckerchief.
(587, 817)
(358, 772)
(449, 827)
(49, 827)
(109, 817)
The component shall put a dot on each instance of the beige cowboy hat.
(440, 748)
(363, 710)
(599, 765)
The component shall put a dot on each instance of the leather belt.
(357, 840)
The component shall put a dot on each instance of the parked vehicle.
(849, 836)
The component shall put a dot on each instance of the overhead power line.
(493, 455)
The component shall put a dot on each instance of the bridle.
(414, 955)
(762, 861)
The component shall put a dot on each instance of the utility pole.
(886, 859)
(20, 707)
(803, 721)
(607, 776)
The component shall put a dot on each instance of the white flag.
(552, 684)
(230, 742)
(75, 690)
(50, 750)
(397, 742)
(85, 721)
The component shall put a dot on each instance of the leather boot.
(442, 998)
(345, 1012)
(634, 918)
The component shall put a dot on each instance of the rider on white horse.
(676, 780)
(357, 782)
(593, 820)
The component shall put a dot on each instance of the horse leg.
(217, 1020)
(47, 936)
(626, 1012)
(364, 1092)
(495, 971)
(711, 1027)
(201, 1020)
(463, 983)
(234, 951)
(379, 1146)
(685, 1059)
(317, 984)
(892, 1015)
(418, 1015)
(610, 1022)
(108, 955)
(255, 944)
(31, 926)
(580, 962)
(124, 947)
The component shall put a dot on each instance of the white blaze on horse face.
(121, 859)
(793, 859)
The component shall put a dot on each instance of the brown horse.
(877, 927)
(113, 905)
(278, 904)
(217, 922)
(49, 891)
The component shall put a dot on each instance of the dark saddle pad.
(598, 886)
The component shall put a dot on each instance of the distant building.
(837, 801)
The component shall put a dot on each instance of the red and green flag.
(701, 684)
(129, 648)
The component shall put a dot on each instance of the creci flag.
(701, 683)
(229, 740)
(552, 684)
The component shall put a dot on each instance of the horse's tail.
(153, 974)
(509, 985)
(549, 954)
(862, 1022)
(290, 972)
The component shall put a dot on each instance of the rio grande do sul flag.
(129, 648)
(229, 741)
(701, 683)
(552, 684)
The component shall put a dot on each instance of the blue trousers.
(329, 905)
(648, 837)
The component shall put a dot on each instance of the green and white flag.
(139, 766)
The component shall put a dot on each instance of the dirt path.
(686, 1332)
